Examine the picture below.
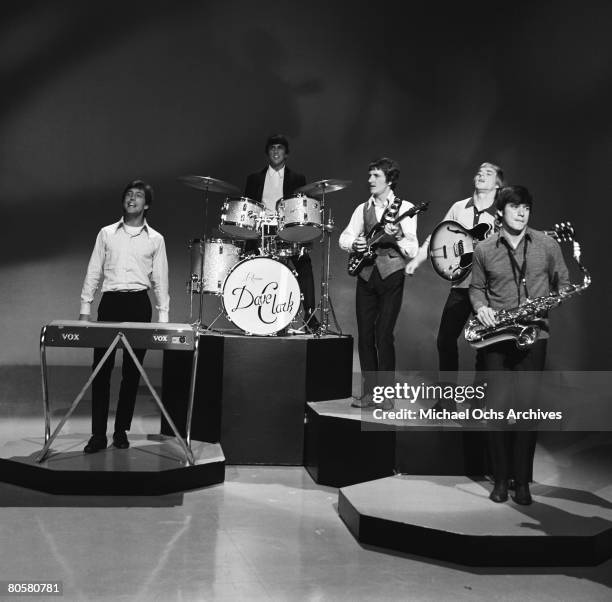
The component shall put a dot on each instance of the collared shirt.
(408, 244)
(273, 188)
(496, 284)
(128, 262)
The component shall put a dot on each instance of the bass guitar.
(359, 259)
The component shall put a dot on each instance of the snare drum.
(283, 248)
(211, 262)
(299, 218)
(240, 217)
(261, 295)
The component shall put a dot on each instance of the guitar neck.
(412, 211)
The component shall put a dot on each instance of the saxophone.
(524, 322)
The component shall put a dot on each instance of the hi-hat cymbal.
(322, 186)
(209, 184)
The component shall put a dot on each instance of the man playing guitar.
(380, 286)
(478, 209)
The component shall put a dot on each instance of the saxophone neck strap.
(518, 271)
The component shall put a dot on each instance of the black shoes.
(500, 492)
(98, 442)
(120, 440)
(522, 494)
(95, 444)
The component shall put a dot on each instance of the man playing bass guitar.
(380, 285)
(478, 209)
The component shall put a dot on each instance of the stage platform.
(450, 518)
(251, 392)
(152, 465)
(345, 446)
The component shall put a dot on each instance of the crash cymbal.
(209, 184)
(322, 186)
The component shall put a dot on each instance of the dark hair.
(140, 185)
(389, 167)
(499, 173)
(513, 194)
(277, 139)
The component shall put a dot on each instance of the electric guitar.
(451, 247)
(359, 259)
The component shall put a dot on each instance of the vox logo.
(70, 336)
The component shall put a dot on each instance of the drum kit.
(247, 266)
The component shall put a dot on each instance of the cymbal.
(209, 184)
(322, 186)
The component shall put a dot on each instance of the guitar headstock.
(418, 208)
(563, 232)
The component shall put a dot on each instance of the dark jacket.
(255, 183)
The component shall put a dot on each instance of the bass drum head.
(261, 296)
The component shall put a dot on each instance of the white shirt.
(128, 262)
(273, 188)
(408, 244)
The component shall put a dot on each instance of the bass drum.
(261, 296)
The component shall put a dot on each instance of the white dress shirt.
(408, 243)
(273, 188)
(128, 262)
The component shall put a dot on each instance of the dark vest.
(389, 258)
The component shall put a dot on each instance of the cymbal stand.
(325, 302)
(198, 324)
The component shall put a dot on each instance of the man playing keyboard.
(129, 258)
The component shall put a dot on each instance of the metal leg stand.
(325, 301)
(75, 403)
(119, 338)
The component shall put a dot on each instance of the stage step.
(450, 518)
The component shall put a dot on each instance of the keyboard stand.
(119, 339)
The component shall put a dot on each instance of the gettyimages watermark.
(551, 400)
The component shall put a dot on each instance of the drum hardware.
(325, 306)
(206, 184)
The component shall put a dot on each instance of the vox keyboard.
(141, 335)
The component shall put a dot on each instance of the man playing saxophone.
(510, 267)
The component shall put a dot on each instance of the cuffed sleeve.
(354, 229)
(94, 274)
(159, 281)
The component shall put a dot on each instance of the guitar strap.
(377, 224)
(518, 272)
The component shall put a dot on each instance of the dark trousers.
(378, 303)
(303, 267)
(512, 451)
(455, 314)
(118, 307)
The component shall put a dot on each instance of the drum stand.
(325, 303)
(194, 278)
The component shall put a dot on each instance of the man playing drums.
(268, 186)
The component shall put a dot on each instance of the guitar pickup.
(459, 248)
